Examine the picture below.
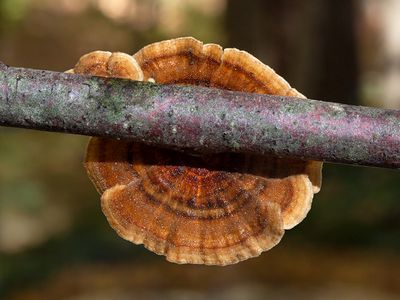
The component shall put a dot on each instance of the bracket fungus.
(214, 209)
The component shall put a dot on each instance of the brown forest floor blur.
(56, 244)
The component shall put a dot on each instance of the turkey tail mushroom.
(201, 209)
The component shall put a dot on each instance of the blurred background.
(55, 242)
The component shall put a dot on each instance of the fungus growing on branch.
(214, 209)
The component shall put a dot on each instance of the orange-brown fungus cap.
(202, 209)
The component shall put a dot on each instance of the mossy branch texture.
(199, 119)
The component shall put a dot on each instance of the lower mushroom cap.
(217, 209)
(213, 209)
(187, 239)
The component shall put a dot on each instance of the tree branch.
(199, 119)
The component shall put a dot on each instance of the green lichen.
(297, 107)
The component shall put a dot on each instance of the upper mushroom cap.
(205, 209)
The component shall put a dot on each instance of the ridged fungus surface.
(201, 209)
